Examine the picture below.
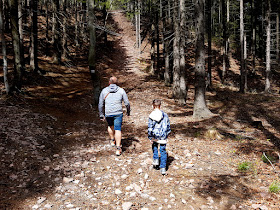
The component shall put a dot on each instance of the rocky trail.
(63, 159)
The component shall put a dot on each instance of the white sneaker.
(118, 151)
(155, 162)
(163, 171)
(113, 142)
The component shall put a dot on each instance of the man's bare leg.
(111, 132)
(118, 137)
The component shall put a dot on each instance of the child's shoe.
(163, 171)
(155, 162)
(119, 151)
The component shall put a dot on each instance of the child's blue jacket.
(158, 125)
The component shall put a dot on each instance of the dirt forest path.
(78, 169)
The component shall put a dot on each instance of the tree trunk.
(138, 27)
(243, 75)
(157, 41)
(83, 31)
(76, 24)
(209, 30)
(253, 37)
(152, 51)
(20, 28)
(6, 15)
(17, 83)
(268, 46)
(95, 75)
(167, 76)
(224, 39)
(34, 37)
(57, 39)
(183, 86)
(104, 11)
(277, 38)
(47, 28)
(64, 31)
(176, 52)
(53, 23)
(227, 41)
(4, 50)
(200, 109)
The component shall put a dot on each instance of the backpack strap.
(106, 96)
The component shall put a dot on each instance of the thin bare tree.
(200, 109)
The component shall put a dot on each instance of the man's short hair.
(156, 102)
(113, 80)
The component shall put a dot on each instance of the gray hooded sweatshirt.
(113, 101)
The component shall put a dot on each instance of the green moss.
(245, 166)
(274, 187)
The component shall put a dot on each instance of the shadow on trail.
(254, 111)
(129, 144)
(39, 129)
(224, 188)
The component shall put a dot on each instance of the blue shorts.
(115, 120)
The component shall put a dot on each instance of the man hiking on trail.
(111, 97)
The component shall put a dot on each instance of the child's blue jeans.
(163, 155)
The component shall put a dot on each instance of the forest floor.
(55, 152)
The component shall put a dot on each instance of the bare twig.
(269, 162)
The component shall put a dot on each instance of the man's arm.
(126, 103)
(101, 104)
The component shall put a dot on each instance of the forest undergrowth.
(55, 152)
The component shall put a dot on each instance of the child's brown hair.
(156, 103)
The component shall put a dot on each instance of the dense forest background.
(211, 32)
(215, 65)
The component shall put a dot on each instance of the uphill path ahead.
(83, 172)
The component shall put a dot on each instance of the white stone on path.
(184, 201)
(67, 180)
(233, 207)
(139, 171)
(124, 176)
(69, 206)
(118, 192)
(218, 152)
(128, 188)
(132, 194)
(13, 176)
(152, 198)
(85, 164)
(76, 181)
(259, 206)
(144, 195)
(48, 206)
(126, 205)
(189, 165)
(146, 176)
(188, 155)
(137, 188)
(149, 161)
(41, 200)
(35, 206)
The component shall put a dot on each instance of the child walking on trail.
(158, 130)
